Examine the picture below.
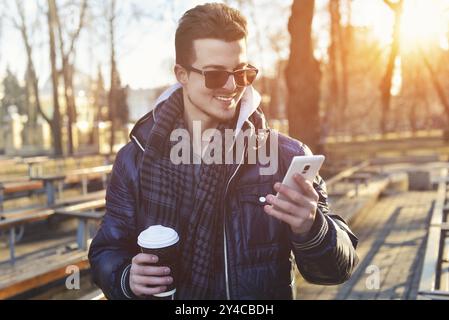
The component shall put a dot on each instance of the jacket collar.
(249, 114)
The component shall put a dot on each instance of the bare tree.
(67, 53)
(303, 76)
(439, 88)
(385, 86)
(22, 26)
(52, 26)
(333, 105)
(115, 82)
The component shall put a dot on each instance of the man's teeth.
(226, 99)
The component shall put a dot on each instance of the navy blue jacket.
(257, 252)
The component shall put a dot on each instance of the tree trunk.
(34, 82)
(303, 77)
(385, 86)
(333, 115)
(437, 85)
(56, 123)
(114, 77)
(68, 71)
(345, 38)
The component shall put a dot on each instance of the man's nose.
(230, 83)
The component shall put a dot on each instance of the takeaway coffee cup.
(162, 242)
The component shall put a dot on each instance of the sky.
(146, 47)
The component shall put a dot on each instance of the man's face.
(215, 104)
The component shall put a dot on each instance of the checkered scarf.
(167, 187)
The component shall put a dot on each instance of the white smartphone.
(307, 166)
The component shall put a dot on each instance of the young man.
(236, 238)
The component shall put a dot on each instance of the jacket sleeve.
(327, 254)
(113, 247)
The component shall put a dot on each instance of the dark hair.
(210, 20)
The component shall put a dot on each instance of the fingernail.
(277, 185)
(154, 258)
(167, 270)
(169, 280)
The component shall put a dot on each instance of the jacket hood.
(249, 111)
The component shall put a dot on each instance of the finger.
(148, 291)
(151, 281)
(145, 258)
(283, 205)
(292, 195)
(287, 218)
(306, 186)
(150, 270)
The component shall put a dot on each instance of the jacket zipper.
(228, 293)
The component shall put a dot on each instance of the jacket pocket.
(259, 229)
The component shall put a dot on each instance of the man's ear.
(181, 74)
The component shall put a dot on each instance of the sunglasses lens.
(216, 79)
(244, 78)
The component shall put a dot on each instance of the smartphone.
(307, 166)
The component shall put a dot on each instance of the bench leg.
(104, 180)
(2, 198)
(12, 240)
(82, 233)
(84, 185)
(50, 191)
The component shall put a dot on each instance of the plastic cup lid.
(155, 237)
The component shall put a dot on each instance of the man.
(236, 238)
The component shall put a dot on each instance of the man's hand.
(146, 280)
(299, 210)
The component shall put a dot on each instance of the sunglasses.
(216, 79)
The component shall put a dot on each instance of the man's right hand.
(145, 279)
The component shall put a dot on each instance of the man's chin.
(225, 116)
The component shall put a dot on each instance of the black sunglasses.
(215, 79)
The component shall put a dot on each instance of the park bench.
(83, 212)
(55, 182)
(38, 272)
(14, 189)
(75, 207)
(434, 282)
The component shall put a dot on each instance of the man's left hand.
(299, 208)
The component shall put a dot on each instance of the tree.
(437, 85)
(67, 53)
(334, 110)
(13, 94)
(56, 123)
(385, 86)
(22, 26)
(115, 77)
(303, 77)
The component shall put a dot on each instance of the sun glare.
(423, 23)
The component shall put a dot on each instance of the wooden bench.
(32, 161)
(13, 189)
(432, 273)
(75, 207)
(80, 175)
(39, 272)
(22, 218)
(84, 212)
